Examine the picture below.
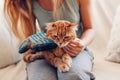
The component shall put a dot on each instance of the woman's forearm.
(88, 36)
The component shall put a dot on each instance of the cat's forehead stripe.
(62, 29)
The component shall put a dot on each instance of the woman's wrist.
(82, 42)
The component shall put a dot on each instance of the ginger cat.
(61, 32)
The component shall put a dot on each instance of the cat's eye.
(66, 37)
(55, 36)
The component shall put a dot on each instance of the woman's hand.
(74, 47)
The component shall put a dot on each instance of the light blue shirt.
(43, 16)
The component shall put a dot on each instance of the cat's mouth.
(61, 45)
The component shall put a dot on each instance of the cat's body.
(62, 33)
(58, 58)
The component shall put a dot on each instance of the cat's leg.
(80, 69)
(52, 59)
(56, 62)
(62, 66)
(38, 55)
(67, 59)
(27, 55)
(30, 56)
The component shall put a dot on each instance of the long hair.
(20, 16)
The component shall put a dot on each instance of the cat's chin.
(63, 45)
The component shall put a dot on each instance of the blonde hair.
(22, 21)
(56, 12)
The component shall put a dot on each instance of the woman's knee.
(41, 70)
(75, 75)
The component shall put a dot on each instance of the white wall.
(103, 12)
(8, 44)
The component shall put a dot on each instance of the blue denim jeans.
(80, 70)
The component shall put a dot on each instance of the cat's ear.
(49, 26)
(74, 26)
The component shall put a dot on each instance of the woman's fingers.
(74, 43)
(71, 46)
(78, 43)
(67, 49)
(74, 48)
(71, 51)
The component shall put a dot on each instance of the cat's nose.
(60, 43)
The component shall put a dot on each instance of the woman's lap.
(41, 70)
(80, 70)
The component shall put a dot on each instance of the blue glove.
(37, 42)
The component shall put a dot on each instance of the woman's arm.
(88, 33)
(75, 47)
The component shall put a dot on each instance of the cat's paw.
(63, 67)
(68, 60)
(30, 58)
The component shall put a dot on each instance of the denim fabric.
(80, 70)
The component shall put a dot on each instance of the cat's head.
(61, 32)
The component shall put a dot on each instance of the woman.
(23, 14)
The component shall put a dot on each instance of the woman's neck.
(46, 4)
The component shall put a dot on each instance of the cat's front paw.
(67, 59)
(63, 67)
(68, 62)
(29, 58)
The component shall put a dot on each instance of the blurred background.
(104, 15)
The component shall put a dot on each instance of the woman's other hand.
(74, 47)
